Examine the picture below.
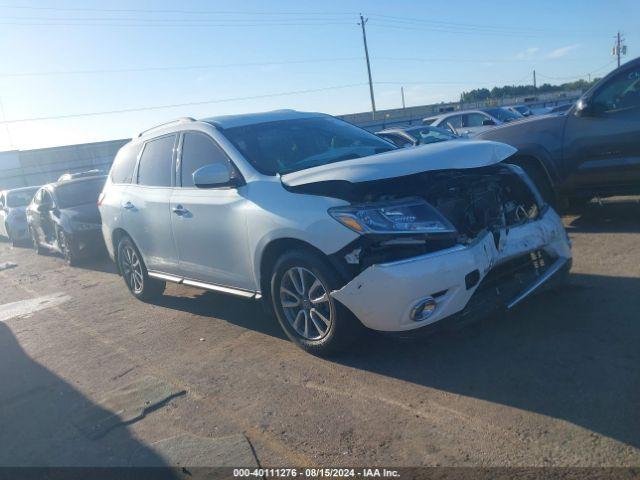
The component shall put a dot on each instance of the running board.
(553, 269)
(206, 286)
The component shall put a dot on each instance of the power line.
(174, 105)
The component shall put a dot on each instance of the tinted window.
(291, 145)
(78, 193)
(124, 163)
(455, 121)
(20, 198)
(503, 114)
(475, 119)
(156, 162)
(621, 92)
(198, 150)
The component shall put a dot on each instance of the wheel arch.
(269, 256)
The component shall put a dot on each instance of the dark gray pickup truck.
(592, 150)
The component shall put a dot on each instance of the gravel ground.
(555, 382)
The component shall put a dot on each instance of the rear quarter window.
(156, 162)
(124, 164)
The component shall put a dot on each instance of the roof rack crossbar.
(179, 120)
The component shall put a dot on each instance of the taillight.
(101, 198)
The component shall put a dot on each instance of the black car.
(63, 217)
(591, 150)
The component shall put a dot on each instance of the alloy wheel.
(132, 269)
(306, 303)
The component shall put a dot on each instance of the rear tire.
(301, 284)
(134, 272)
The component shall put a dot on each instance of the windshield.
(502, 114)
(291, 145)
(428, 135)
(79, 193)
(21, 198)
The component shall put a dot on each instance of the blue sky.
(65, 57)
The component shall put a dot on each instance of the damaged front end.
(444, 242)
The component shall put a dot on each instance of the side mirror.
(212, 175)
(488, 123)
(583, 108)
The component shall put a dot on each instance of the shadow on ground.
(619, 216)
(571, 354)
(37, 409)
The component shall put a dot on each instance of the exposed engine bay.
(475, 201)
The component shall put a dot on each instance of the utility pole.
(363, 21)
(619, 48)
(534, 81)
(402, 93)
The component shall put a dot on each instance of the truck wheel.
(540, 179)
(300, 293)
(134, 272)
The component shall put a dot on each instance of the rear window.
(156, 162)
(21, 198)
(502, 114)
(124, 163)
(77, 193)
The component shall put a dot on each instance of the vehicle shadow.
(242, 312)
(37, 411)
(570, 354)
(612, 216)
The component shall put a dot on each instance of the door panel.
(602, 150)
(211, 236)
(147, 218)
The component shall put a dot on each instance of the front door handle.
(180, 210)
(129, 206)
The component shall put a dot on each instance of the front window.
(21, 198)
(291, 145)
(78, 193)
(502, 114)
(621, 92)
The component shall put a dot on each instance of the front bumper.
(383, 295)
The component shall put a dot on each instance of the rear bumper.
(384, 295)
(88, 243)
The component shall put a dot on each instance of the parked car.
(592, 150)
(470, 122)
(13, 220)
(333, 227)
(88, 173)
(413, 136)
(63, 217)
(520, 109)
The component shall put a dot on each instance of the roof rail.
(179, 120)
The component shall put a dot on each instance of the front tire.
(134, 272)
(301, 287)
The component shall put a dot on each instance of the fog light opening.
(423, 309)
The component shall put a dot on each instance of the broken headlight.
(410, 215)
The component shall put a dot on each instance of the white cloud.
(562, 51)
(528, 53)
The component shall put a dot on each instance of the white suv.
(333, 227)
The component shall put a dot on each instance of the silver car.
(13, 220)
(469, 122)
(332, 227)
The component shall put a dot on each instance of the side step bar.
(206, 286)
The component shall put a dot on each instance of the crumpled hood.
(405, 161)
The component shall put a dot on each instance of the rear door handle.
(180, 210)
(129, 206)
